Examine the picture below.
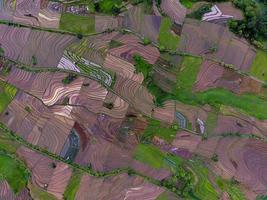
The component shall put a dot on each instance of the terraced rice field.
(119, 106)
(27, 123)
(48, 18)
(252, 158)
(26, 12)
(213, 75)
(122, 68)
(122, 187)
(93, 48)
(203, 188)
(166, 112)
(197, 39)
(174, 9)
(132, 46)
(146, 25)
(46, 173)
(103, 23)
(23, 44)
(146, 122)
(87, 67)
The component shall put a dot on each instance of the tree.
(79, 36)
(254, 26)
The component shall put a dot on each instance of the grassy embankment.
(73, 185)
(258, 68)
(7, 93)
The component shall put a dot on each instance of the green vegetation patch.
(108, 6)
(146, 69)
(259, 65)
(162, 196)
(7, 93)
(188, 3)
(77, 24)
(211, 121)
(70, 78)
(261, 197)
(159, 94)
(114, 44)
(154, 157)
(167, 38)
(149, 155)
(13, 171)
(142, 66)
(188, 72)
(248, 103)
(155, 128)
(203, 188)
(7, 143)
(231, 188)
(181, 181)
(2, 51)
(73, 185)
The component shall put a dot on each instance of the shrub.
(146, 41)
(28, 109)
(68, 79)
(34, 60)
(215, 158)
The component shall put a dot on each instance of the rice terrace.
(133, 100)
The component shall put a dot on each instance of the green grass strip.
(73, 185)
(167, 39)
(7, 93)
